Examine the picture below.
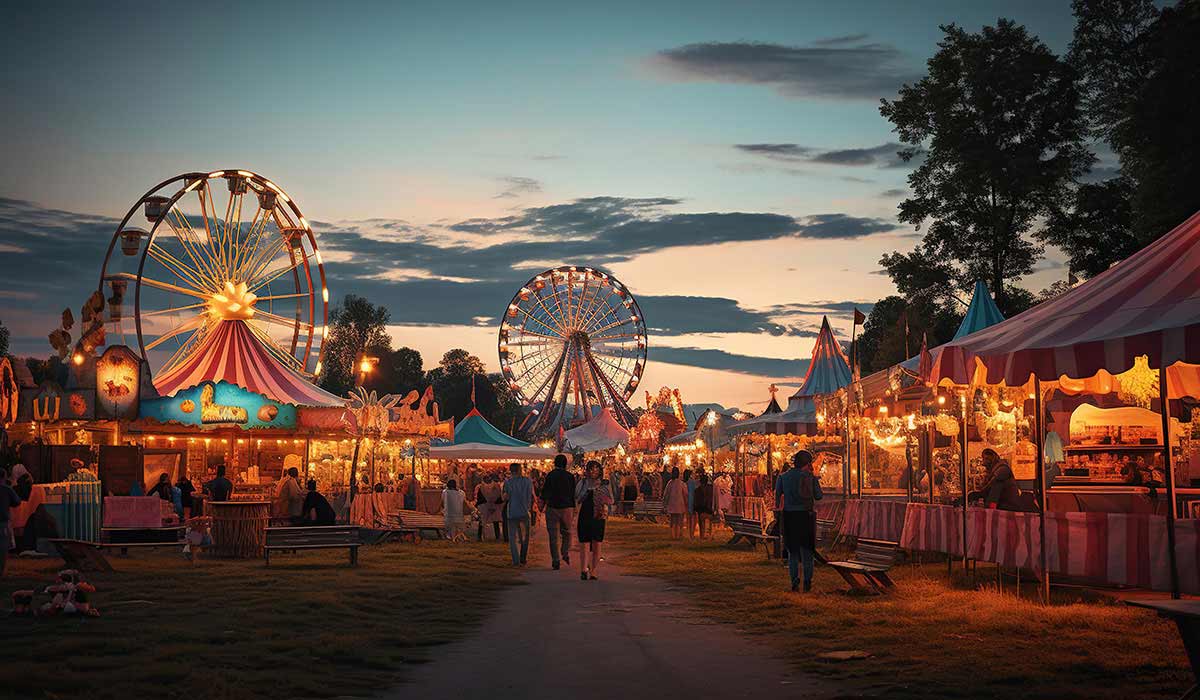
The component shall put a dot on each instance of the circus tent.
(477, 439)
(232, 353)
(828, 371)
(1147, 305)
(600, 433)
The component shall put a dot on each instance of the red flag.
(859, 318)
(472, 391)
(925, 368)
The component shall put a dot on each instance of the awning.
(1148, 304)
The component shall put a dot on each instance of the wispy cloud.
(882, 156)
(841, 68)
(515, 186)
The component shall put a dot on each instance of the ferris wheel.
(572, 342)
(228, 244)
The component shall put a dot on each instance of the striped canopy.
(828, 370)
(1148, 304)
(232, 353)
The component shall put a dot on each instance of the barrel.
(239, 528)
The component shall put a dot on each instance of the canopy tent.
(600, 433)
(982, 313)
(828, 371)
(231, 352)
(1148, 304)
(476, 438)
(773, 407)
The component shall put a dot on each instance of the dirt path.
(621, 637)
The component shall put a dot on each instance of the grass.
(935, 636)
(308, 627)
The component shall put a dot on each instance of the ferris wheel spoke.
(598, 302)
(275, 348)
(542, 303)
(614, 324)
(615, 367)
(190, 241)
(188, 325)
(245, 246)
(177, 309)
(232, 230)
(614, 338)
(259, 284)
(273, 297)
(266, 256)
(165, 286)
(262, 315)
(180, 269)
(526, 331)
(213, 233)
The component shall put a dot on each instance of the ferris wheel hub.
(234, 303)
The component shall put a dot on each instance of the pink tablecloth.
(133, 511)
(371, 509)
(1126, 549)
(878, 520)
(831, 508)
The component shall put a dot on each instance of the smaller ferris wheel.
(573, 343)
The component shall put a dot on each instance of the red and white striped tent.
(232, 353)
(1149, 304)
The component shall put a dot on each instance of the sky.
(726, 161)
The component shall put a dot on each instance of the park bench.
(313, 537)
(867, 568)
(647, 511)
(416, 523)
(752, 532)
(126, 538)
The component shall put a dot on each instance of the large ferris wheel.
(217, 246)
(572, 343)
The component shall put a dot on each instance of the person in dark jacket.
(317, 510)
(558, 493)
(797, 491)
(1000, 489)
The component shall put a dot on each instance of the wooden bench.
(866, 569)
(418, 523)
(126, 538)
(313, 537)
(751, 531)
(647, 511)
(81, 555)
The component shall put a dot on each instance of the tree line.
(1005, 134)
(358, 329)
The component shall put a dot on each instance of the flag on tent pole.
(473, 391)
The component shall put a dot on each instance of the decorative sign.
(412, 417)
(219, 404)
(118, 372)
(10, 392)
(47, 402)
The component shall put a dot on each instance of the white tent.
(600, 433)
(482, 451)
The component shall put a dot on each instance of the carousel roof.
(1149, 304)
(232, 353)
(600, 433)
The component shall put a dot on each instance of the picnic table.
(1186, 615)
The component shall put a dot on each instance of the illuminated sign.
(219, 404)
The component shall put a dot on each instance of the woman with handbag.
(593, 496)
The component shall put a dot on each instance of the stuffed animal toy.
(69, 596)
(22, 602)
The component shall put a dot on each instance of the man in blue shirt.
(518, 501)
(797, 491)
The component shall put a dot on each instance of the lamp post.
(711, 420)
(366, 365)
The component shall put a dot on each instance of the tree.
(4, 335)
(883, 342)
(357, 327)
(398, 372)
(998, 120)
(455, 378)
(1095, 230)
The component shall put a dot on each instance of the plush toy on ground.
(69, 596)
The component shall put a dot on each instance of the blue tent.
(980, 314)
(475, 428)
(828, 370)
(477, 439)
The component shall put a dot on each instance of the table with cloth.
(874, 519)
(1125, 549)
(133, 511)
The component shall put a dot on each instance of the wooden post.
(1039, 429)
(1169, 470)
(962, 478)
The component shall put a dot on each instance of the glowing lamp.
(77, 358)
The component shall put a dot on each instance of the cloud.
(719, 359)
(841, 68)
(893, 193)
(516, 186)
(881, 156)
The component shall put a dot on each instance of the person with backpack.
(797, 491)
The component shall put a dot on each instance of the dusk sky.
(726, 161)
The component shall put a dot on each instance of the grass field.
(934, 637)
(308, 627)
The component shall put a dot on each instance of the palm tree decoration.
(367, 417)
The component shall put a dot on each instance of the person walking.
(558, 493)
(518, 503)
(453, 502)
(796, 491)
(690, 484)
(702, 504)
(675, 503)
(593, 496)
(487, 503)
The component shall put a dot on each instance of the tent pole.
(1039, 433)
(962, 479)
(1169, 471)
